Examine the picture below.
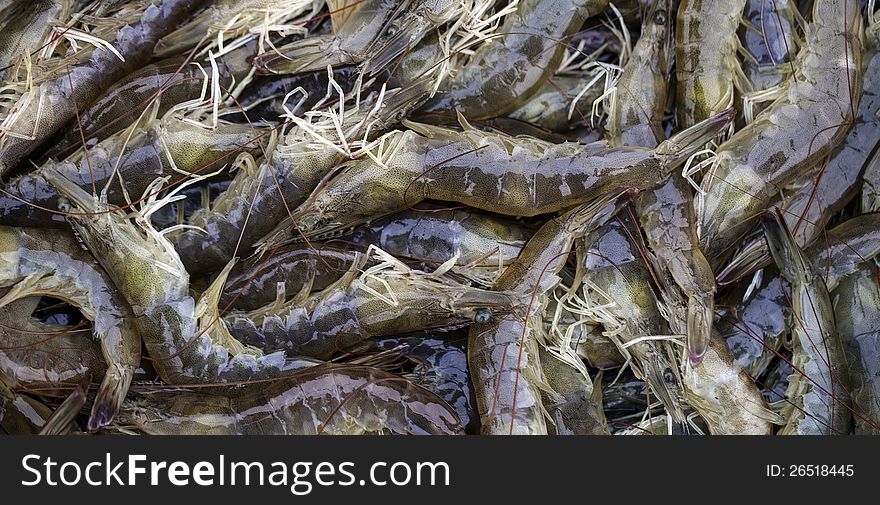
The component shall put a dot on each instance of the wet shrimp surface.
(540, 217)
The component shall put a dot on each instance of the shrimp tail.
(112, 392)
(62, 419)
(685, 143)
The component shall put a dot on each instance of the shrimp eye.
(668, 377)
(660, 17)
(482, 316)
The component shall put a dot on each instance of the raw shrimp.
(126, 166)
(507, 175)
(812, 206)
(669, 221)
(48, 262)
(509, 69)
(332, 400)
(857, 307)
(666, 212)
(802, 126)
(188, 344)
(707, 69)
(502, 352)
(761, 317)
(817, 392)
(638, 103)
(385, 299)
(717, 387)
(49, 106)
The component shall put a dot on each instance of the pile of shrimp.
(440, 217)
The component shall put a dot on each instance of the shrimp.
(46, 108)
(669, 222)
(820, 379)
(857, 307)
(638, 103)
(126, 164)
(720, 389)
(440, 367)
(764, 312)
(502, 352)
(507, 175)
(620, 283)
(812, 206)
(283, 181)
(508, 70)
(480, 244)
(666, 212)
(810, 203)
(188, 344)
(333, 400)
(795, 131)
(707, 69)
(386, 299)
(48, 262)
